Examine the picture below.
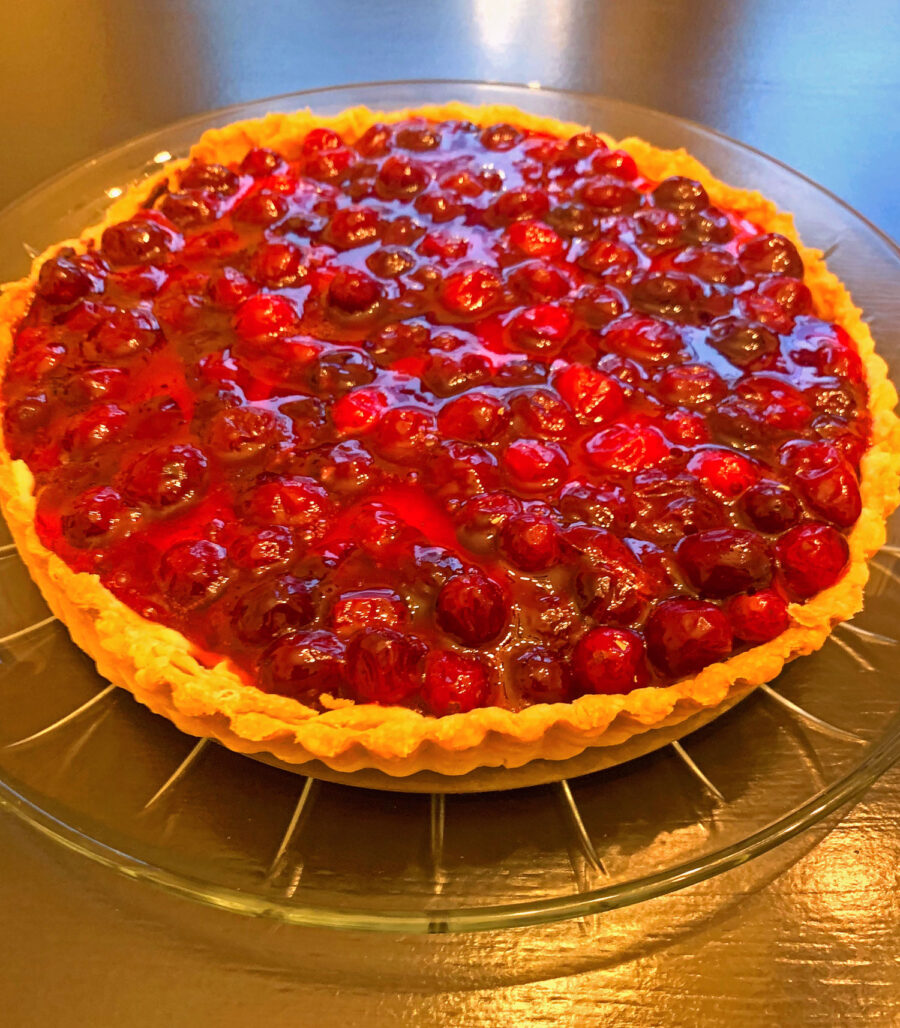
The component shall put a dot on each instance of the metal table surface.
(807, 935)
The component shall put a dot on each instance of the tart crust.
(160, 667)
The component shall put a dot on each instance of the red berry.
(535, 239)
(384, 666)
(122, 334)
(543, 414)
(165, 476)
(95, 515)
(643, 339)
(725, 561)
(242, 433)
(758, 617)
(594, 396)
(192, 573)
(289, 500)
(62, 281)
(691, 385)
(725, 473)
(812, 557)
(259, 549)
(533, 465)
(475, 417)
(139, 241)
(367, 608)
(278, 264)
(405, 434)
(353, 292)
(471, 608)
(530, 541)
(539, 676)
(401, 178)
(304, 665)
(454, 683)
(358, 411)
(626, 448)
(213, 177)
(262, 208)
(265, 317)
(272, 608)
(609, 660)
(771, 506)
(261, 162)
(541, 329)
(471, 292)
(684, 636)
(771, 254)
(826, 480)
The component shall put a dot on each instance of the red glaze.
(444, 418)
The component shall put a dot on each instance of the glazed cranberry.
(230, 287)
(614, 162)
(481, 517)
(725, 561)
(27, 414)
(137, 242)
(614, 591)
(603, 505)
(384, 666)
(536, 282)
(643, 339)
(471, 608)
(594, 396)
(626, 448)
(122, 334)
(358, 411)
(262, 208)
(656, 229)
(304, 665)
(532, 465)
(261, 162)
(367, 608)
(610, 195)
(539, 676)
(812, 557)
(259, 549)
(353, 292)
(405, 434)
(776, 402)
(539, 412)
(212, 177)
(770, 254)
(378, 530)
(710, 263)
(791, 296)
(62, 281)
(95, 515)
(470, 292)
(667, 294)
(192, 573)
(272, 608)
(571, 221)
(401, 178)
(743, 343)
(242, 433)
(691, 385)
(289, 500)
(460, 470)
(609, 660)
(530, 541)
(329, 165)
(540, 329)
(187, 210)
(758, 617)
(825, 479)
(680, 194)
(390, 261)
(519, 371)
(475, 417)
(535, 239)
(277, 265)
(95, 428)
(165, 476)
(454, 683)
(265, 317)
(500, 137)
(610, 258)
(771, 507)
(684, 636)
(349, 468)
(351, 227)
(724, 472)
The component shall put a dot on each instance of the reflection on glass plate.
(90, 767)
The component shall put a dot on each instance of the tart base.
(159, 666)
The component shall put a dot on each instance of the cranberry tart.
(440, 439)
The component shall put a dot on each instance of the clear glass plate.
(93, 769)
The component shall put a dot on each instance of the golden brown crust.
(156, 663)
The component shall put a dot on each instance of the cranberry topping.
(347, 414)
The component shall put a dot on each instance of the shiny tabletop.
(808, 935)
